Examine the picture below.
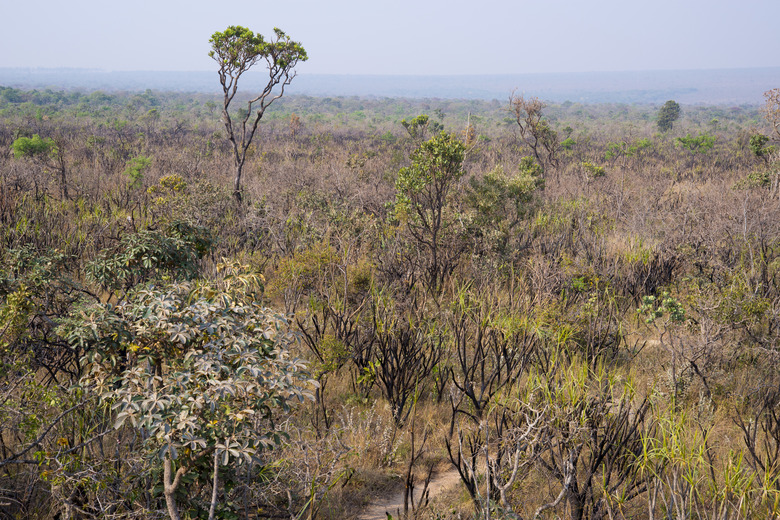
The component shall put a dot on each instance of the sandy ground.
(395, 504)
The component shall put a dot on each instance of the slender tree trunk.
(237, 183)
(63, 182)
(213, 508)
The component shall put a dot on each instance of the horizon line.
(411, 75)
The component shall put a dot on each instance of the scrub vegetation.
(575, 307)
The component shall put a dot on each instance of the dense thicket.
(576, 313)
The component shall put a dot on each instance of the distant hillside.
(727, 86)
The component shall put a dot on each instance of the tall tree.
(535, 130)
(236, 50)
(667, 115)
(424, 202)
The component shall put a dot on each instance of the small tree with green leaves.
(499, 201)
(759, 146)
(236, 50)
(44, 152)
(423, 193)
(696, 144)
(134, 171)
(625, 148)
(667, 314)
(418, 127)
(202, 370)
(667, 115)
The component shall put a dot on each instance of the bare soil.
(394, 503)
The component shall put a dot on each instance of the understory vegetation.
(575, 310)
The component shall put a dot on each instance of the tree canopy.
(32, 147)
(667, 115)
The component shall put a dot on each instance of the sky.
(411, 37)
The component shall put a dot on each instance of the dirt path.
(395, 503)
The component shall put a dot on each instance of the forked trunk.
(170, 484)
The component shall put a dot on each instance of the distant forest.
(728, 86)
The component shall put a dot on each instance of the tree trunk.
(213, 508)
(169, 487)
(577, 505)
(64, 183)
(237, 183)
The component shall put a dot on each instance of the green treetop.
(667, 115)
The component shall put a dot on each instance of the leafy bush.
(593, 171)
(151, 254)
(34, 146)
(201, 369)
(702, 143)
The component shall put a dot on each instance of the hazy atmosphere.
(401, 37)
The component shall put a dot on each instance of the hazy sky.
(401, 36)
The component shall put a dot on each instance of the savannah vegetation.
(574, 307)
